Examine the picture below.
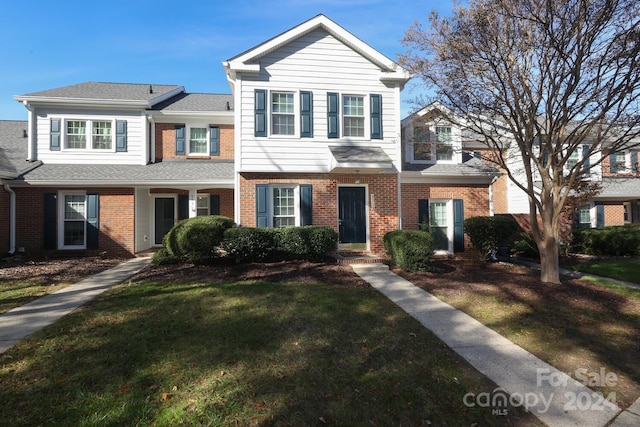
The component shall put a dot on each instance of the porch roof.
(470, 166)
(351, 158)
(182, 172)
(619, 188)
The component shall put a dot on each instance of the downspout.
(152, 138)
(31, 149)
(491, 209)
(12, 219)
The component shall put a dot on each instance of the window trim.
(187, 136)
(366, 131)
(296, 203)
(61, 219)
(628, 167)
(203, 196)
(296, 113)
(449, 220)
(89, 122)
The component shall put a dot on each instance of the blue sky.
(48, 44)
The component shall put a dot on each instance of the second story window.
(353, 115)
(76, 134)
(198, 141)
(619, 162)
(421, 143)
(101, 135)
(444, 143)
(282, 114)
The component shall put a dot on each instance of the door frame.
(153, 214)
(366, 212)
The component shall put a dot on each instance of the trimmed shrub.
(612, 241)
(248, 244)
(196, 239)
(487, 233)
(309, 242)
(409, 249)
(163, 257)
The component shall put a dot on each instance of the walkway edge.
(548, 394)
(19, 323)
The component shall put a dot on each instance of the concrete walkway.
(552, 396)
(19, 323)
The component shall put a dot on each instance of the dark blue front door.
(164, 217)
(352, 217)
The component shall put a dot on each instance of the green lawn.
(239, 353)
(626, 269)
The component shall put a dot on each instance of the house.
(311, 134)
(111, 167)
(318, 134)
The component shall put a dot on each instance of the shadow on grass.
(248, 353)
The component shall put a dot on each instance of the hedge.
(488, 233)
(248, 244)
(309, 242)
(613, 241)
(409, 249)
(197, 239)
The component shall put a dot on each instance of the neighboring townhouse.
(318, 134)
(443, 180)
(114, 166)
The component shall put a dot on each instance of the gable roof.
(13, 149)
(131, 94)
(247, 61)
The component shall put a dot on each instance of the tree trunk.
(549, 260)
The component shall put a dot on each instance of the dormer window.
(432, 144)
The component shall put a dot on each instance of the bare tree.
(538, 80)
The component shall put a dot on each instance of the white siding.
(319, 63)
(143, 220)
(136, 139)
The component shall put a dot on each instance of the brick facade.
(116, 223)
(383, 216)
(165, 142)
(475, 200)
(613, 214)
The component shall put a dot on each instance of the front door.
(165, 208)
(352, 215)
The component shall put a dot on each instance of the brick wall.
(475, 200)
(384, 188)
(613, 214)
(116, 219)
(166, 143)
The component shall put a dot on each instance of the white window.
(584, 217)
(198, 141)
(444, 143)
(353, 115)
(73, 221)
(628, 213)
(573, 159)
(202, 205)
(439, 225)
(422, 143)
(283, 116)
(98, 132)
(622, 162)
(431, 144)
(284, 206)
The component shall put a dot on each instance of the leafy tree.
(536, 80)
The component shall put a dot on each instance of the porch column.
(193, 203)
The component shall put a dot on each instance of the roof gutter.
(12, 219)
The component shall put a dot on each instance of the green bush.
(163, 257)
(196, 239)
(309, 242)
(612, 241)
(526, 246)
(248, 244)
(409, 249)
(488, 233)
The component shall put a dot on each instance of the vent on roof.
(228, 106)
(24, 133)
(150, 89)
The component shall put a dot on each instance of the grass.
(625, 269)
(14, 294)
(238, 353)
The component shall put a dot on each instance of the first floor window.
(584, 217)
(74, 220)
(76, 134)
(202, 205)
(353, 113)
(284, 207)
(198, 141)
(439, 225)
(282, 114)
(101, 135)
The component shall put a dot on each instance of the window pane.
(282, 114)
(421, 151)
(444, 146)
(101, 135)
(74, 233)
(353, 111)
(284, 207)
(198, 140)
(76, 134)
(438, 223)
(74, 219)
(74, 207)
(202, 203)
(585, 215)
(621, 161)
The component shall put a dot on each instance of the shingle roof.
(355, 154)
(107, 91)
(168, 172)
(13, 148)
(196, 102)
(620, 188)
(470, 166)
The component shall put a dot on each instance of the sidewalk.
(19, 323)
(550, 395)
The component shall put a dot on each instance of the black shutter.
(306, 205)
(458, 231)
(306, 114)
(183, 206)
(376, 116)
(121, 135)
(50, 221)
(180, 140)
(260, 110)
(214, 141)
(93, 220)
(423, 214)
(262, 210)
(214, 204)
(333, 128)
(54, 137)
(613, 166)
